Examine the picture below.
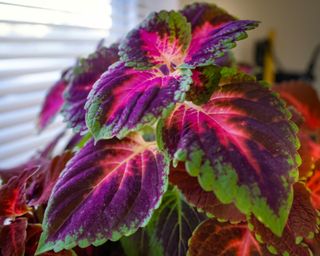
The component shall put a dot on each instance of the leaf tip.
(42, 246)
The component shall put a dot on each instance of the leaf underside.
(222, 239)
(168, 231)
(202, 200)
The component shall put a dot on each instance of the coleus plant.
(173, 153)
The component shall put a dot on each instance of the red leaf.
(314, 185)
(302, 218)
(201, 199)
(13, 197)
(33, 235)
(302, 223)
(12, 238)
(304, 98)
(7, 173)
(314, 244)
(39, 159)
(45, 179)
(310, 154)
(214, 238)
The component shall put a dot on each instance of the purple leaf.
(161, 40)
(106, 191)
(124, 99)
(211, 43)
(242, 146)
(198, 14)
(214, 32)
(53, 101)
(84, 75)
(165, 40)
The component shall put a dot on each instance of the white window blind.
(38, 39)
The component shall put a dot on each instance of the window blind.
(38, 39)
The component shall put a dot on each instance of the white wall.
(296, 23)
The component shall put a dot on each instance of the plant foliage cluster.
(175, 151)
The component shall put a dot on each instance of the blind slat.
(58, 39)
(19, 117)
(27, 145)
(28, 83)
(28, 51)
(23, 132)
(16, 13)
(14, 103)
(20, 70)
